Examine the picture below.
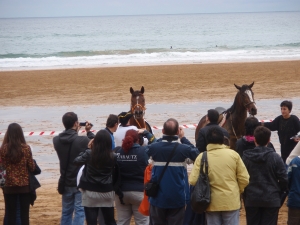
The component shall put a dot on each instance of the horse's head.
(247, 98)
(137, 103)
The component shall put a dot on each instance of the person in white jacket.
(295, 152)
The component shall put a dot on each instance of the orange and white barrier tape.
(54, 133)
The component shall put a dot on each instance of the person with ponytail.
(96, 182)
(132, 160)
(17, 160)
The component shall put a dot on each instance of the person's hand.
(181, 133)
(88, 126)
(140, 131)
(297, 139)
(90, 144)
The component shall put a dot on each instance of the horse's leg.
(201, 124)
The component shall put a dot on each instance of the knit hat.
(124, 117)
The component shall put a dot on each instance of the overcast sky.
(61, 8)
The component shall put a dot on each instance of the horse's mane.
(234, 105)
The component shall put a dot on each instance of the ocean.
(34, 43)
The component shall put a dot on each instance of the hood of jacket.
(258, 154)
(67, 136)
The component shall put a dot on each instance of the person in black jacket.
(96, 182)
(65, 141)
(287, 126)
(268, 179)
(212, 117)
(247, 141)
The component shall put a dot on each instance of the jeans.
(91, 214)
(71, 204)
(262, 215)
(132, 200)
(223, 217)
(12, 209)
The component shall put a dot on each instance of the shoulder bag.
(151, 188)
(200, 198)
(62, 178)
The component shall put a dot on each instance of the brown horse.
(236, 115)
(138, 109)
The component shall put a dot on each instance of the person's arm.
(281, 174)
(297, 124)
(150, 137)
(201, 142)
(83, 158)
(194, 175)
(238, 147)
(290, 175)
(242, 175)
(193, 152)
(297, 127)
(295, 152)
(274, 125)
(30, 161)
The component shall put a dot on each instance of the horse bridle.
(249, 104)
(138, 105)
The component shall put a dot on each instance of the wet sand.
(37, 100)
(171, 83)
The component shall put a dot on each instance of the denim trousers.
(72, 211)
(223, 217)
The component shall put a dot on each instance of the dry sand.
(172, 83)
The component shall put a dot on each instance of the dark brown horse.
(235, 115)
(138, 109)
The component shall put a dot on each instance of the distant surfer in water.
(171, 47)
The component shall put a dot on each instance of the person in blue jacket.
(168, 206)
(294, 192)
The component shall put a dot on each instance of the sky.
(66, 8)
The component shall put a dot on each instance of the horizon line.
(160, 14)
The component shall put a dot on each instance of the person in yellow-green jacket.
(228, 177)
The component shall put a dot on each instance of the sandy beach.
(177, 84)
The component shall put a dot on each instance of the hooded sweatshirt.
(243, 144)
(61, 145)
(268, 177)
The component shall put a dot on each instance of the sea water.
(28, 43)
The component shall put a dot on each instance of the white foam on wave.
(150, 59)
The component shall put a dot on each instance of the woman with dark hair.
(96, 182)
(247, 141)
(132, 161)
(17, 160)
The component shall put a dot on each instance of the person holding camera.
(132, 161)
(68, 145)
(168, 206)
